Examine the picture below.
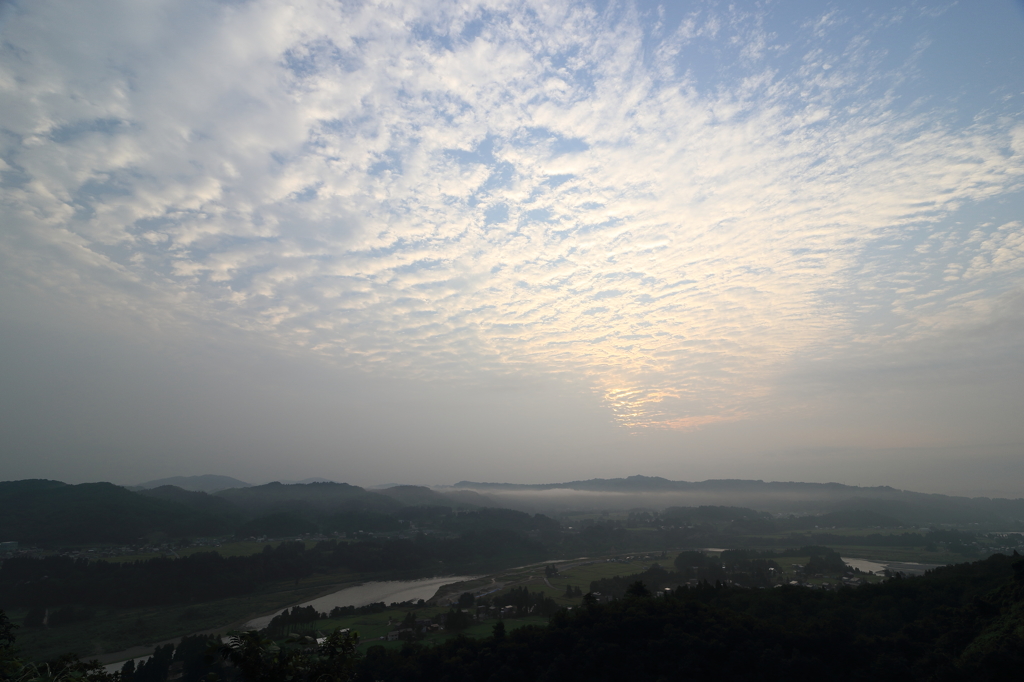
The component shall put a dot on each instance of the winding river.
(368, 593)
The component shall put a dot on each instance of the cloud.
(439, 190)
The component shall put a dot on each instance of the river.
(369, 593)
(359, 595)
(904, 567)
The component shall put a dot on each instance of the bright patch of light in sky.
(698, 210)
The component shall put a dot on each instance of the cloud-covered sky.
(424, 241)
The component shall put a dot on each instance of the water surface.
(905, 567)
(369, 593)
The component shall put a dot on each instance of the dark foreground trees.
(298, 659)
(65, 669)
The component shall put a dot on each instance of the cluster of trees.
(295, 616)
(342, 611)
(526, 602)
(827, 561)
(194, 655)
(297, 659)
(457, 620)
(285, 621)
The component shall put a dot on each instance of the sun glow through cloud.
(676, 215)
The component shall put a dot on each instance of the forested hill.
(309, 497)
(207, 483)
(51, 513)
(40, 511)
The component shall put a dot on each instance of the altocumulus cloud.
(676, 212)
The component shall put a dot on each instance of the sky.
(428, 241)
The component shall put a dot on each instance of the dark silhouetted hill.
(414, 496)
(207, 483)
(202, 503)
(421, 496)
(309, 501)
(37, 511)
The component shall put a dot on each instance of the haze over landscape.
(519, 242)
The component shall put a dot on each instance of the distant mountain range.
(52, 512)
(773, 496)
(211, 483)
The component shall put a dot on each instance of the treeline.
(525, 602)
(192, 656)
(304, 615)
(205, 576)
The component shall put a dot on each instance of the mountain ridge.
(205, 483)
